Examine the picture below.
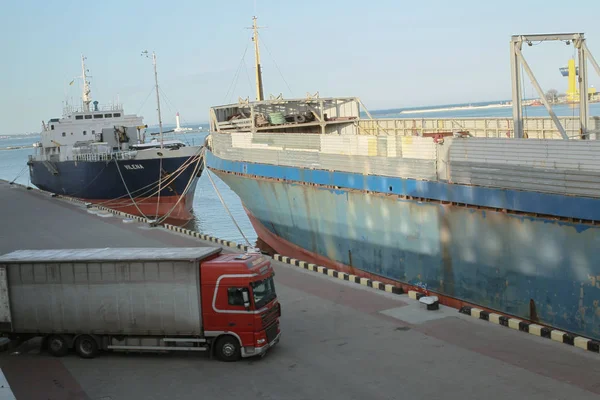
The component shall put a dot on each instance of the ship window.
(64, 134)
(84, 133)
(71, 133)
(116, 115)
(79, 117)
(97, 115)
(93, 132)
(88, 117)
(107, 115)
(51, 127)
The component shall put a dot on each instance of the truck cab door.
(232, 311)
(238, 300)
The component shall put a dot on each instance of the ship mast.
(86, 87)
(157, 96)
(259, 86)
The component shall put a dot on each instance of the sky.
(391, 54)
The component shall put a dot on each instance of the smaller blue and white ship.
(99, 154)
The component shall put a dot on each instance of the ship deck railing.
(100, 108)
(280, 114)
(489, 127)
(118, 155)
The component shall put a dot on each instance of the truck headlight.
(261, 341)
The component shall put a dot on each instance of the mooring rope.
(19, 174)
(185, 190)
(225, 206)
(127, 189)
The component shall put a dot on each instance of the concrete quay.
(339, 340)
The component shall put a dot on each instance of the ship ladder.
(50, 167)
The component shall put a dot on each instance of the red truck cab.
(240, 309)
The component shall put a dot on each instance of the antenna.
(86, 86)
(145, 53)
(66, 100)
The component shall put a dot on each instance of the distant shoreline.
(15, 147)
(457, 108)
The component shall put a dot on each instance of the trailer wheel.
(227, 348)
(86, 346)
(57, 346)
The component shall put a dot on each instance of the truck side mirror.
(246, 298)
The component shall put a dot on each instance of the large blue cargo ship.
(524, 253)
(459, 208)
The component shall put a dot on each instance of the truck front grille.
(271, 332)
(270, 316)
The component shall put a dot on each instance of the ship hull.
(536, 268)
(114, 185)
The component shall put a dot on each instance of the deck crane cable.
(172, 108)
(572, 107)
(199, 162)
(523, 98)
(170, 179)
(154, 184)
(90, 182)
(140, 199)
(144, 103)
(127, 189)
(229, 98)
(276, 66)
(248, 77)
(225, 206)
(159, 182)
(236, 76)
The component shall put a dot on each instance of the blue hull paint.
(100, 180)
(530, 202)
(500, 261)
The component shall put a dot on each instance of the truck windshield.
(263, 291)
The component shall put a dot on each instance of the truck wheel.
(227, 348)
(57, 346)
(86, 347)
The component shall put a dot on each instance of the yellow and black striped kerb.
(340, 275)
(533, 329)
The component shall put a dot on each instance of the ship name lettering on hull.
(134, 166)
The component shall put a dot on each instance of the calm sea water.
(210, 215)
